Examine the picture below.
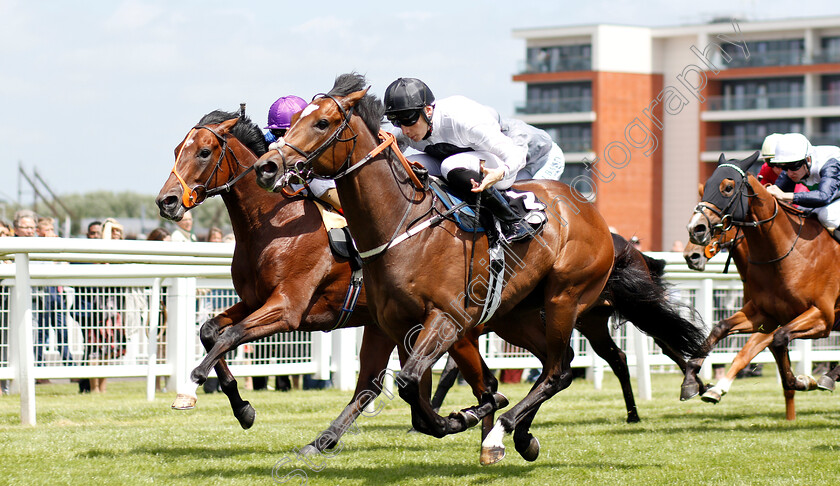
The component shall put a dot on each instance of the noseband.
(303, 168)
(194, 196)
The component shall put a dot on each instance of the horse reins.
(192, 197)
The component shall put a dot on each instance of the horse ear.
(701, 189)
(226, 125)
(353, 98)
(722, 159)
(749, 161)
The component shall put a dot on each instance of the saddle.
(524, 203)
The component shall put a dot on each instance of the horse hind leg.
(557, 376)
(826, 381)
(594, 327)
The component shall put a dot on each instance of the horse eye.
(204, 153)
(322, 124)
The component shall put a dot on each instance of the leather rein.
(303, 170)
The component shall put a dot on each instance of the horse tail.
(639, 294)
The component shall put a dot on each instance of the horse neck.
(246, 202)
(375, 197)
(771, 238)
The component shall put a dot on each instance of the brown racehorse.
(793, 290)
(417, 277)
(283, 270)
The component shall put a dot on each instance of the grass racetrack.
(120, 438)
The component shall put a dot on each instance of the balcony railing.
(789, 57)
(773, 101)
(570, 63)
(825, 139)
(734, 142)
(826, 57)
(558, 105)
(753, 142)
(573, 144)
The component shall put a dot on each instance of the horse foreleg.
(754, 345)
(434, 337)
(595, 328)
(373, 358)
(748, 319)
(209, 333)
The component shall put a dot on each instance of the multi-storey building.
(643, 114)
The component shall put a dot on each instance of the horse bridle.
(303, 168)
(191, 197)
(727, 221)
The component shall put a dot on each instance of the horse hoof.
(687, 392)
(309, 450)
(633, 417)
(469, 418)
(806, 382)
(246, 416)
(501, 400)
(711, 396)
(184, 402)
(531, 451)
(825, 383)
(491, 455)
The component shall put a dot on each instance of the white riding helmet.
(791, 147)
(768, 148)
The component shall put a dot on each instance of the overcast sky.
(96, 94)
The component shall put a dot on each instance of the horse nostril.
(700, 229)
(169, 202)
(267, 169)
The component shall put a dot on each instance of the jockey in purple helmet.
(280, 116)
(279, 120)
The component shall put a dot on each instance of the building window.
(571, 137)
(830, 95)
(760, 94)
(830, 50)
(829, 132)
(559, 58)
(783, 52)
(749, 135)
(578, 176)
(557, 98)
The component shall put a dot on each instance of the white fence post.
(321, 355)
(21, 334)
(344, 358)
(806, 363)
(640, 346)
(707, 310)
(154, 319)
(181, 349)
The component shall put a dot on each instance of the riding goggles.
(404, 118)
(791, 165)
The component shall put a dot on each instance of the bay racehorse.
(283, 270)
(421, 276)
(791, 285)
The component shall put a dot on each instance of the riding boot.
(460, 183)
(513, 226)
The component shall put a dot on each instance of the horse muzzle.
(170, 207)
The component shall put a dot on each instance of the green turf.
(120, 438)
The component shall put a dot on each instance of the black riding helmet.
(405, 99)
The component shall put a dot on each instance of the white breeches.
(829, 215)
(318, 186)
(464, 160)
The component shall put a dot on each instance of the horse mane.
(369, 108)
(245, 130)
